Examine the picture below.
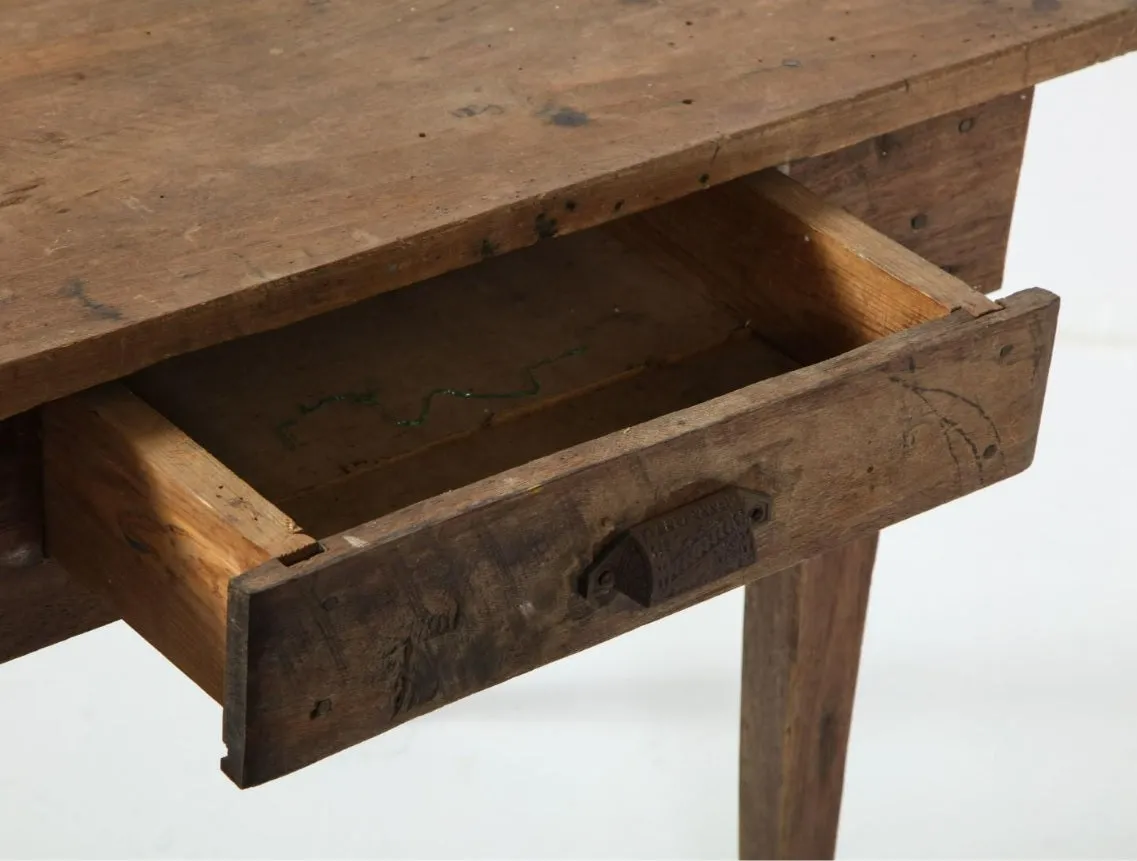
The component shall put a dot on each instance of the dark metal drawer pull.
(679, 551)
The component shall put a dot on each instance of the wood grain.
(944, 188)
(811, 278)
(41, 606)
(21, 493)
(801, 651)
(140, 512)
(336, 649)
(173, 176)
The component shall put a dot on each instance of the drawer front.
(817, 382)
(456, 594)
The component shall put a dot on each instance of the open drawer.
(340, 525)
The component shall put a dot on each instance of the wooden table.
(181, 177)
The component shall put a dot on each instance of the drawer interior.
(358, 413)
(164, 487)
(354, 414)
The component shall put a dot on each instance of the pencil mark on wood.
(76, 289)
(715, 154)
(327, 628)
(467, 111)
(952, 428)
(286, 429)
(930, 390)
(253, 268)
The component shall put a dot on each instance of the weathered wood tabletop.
(173, 175)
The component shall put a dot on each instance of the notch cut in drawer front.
(338, 526)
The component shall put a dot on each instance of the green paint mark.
(284, 430)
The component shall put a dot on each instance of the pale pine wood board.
(139, 511)
(811, 278)
(173, 176)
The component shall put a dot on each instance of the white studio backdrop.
(996, 715)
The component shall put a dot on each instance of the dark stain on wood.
(1046, 5)
(545, 226)
(137, 545)
(568, 118)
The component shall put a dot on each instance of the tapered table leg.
(801, 648)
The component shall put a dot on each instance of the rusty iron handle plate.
(684, 549)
